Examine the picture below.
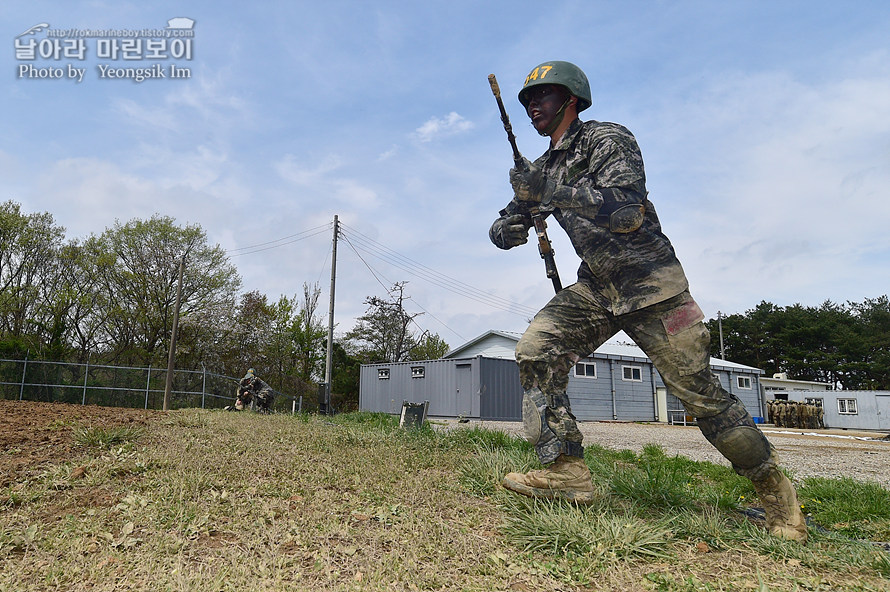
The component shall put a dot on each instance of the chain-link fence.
(121, 386)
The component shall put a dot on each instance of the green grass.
(208, 500)
(106, 437)
(859, 510)
(659, 482)
(654, 507)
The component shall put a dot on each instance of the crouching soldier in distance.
(591, 180)
(252, 389)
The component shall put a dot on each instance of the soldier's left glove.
(510, 231)
(532, 185)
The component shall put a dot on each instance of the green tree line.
(847, 345)
(110, 299)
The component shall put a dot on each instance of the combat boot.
(567, 478)
(783, 515)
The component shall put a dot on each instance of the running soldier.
(591, 180)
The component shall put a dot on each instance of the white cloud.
(326, 181)
(789, 202)
(388, 154)
(436, 127)
(88, 194)
(293, 171)
(151, 117)
(184, 108)
(208, 96)
(351, 193)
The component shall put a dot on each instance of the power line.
(375, 249)
(389, 291)
(441, 322)
(357, 254)
(324, 226)
(421, 271)
(324, 264)
(274, 244)
(361, 242)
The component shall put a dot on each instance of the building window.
(383, 373)
(417, 371)
(585, 369)
(847, 407)
(744, 382)
(812, 401)
(634, 373)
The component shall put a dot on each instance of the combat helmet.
(562, 73)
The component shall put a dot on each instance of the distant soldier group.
(792, 414)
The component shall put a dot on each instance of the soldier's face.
(544, 103)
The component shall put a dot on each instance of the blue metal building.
(480, 380)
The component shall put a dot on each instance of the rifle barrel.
(496, 91)
(544, 246)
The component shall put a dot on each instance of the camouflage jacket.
(259, 388)
(598, 166)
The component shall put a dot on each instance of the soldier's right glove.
(510, 231)
(532, 185)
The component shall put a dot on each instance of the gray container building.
(475, 388)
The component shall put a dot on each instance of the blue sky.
(765, 128)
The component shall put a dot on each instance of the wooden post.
(172, 357)
(330, 352)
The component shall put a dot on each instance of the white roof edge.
(508, 334)
(607, 349)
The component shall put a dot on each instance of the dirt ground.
(34, 434)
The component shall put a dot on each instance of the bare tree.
(383, 333)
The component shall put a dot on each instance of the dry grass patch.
(209, 500)
(227, 501)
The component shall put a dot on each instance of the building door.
(661, 404)
(882, 402)
(463, 397)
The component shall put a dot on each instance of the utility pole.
(720, 327)
(172, 358)
(329, 360)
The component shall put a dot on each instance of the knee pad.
(531, 419)
(735, 435)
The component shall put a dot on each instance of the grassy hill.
(216, 501)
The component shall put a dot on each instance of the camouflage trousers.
(574, 324)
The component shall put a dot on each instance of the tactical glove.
(532, 185)
(511, 231)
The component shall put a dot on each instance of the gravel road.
(863, 456)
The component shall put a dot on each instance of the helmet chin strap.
(557, 119)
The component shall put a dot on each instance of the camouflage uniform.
(777, 413)
(253, 388)
(790, 414)
(628, 280)
(592, 181)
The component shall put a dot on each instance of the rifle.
(545, 248)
